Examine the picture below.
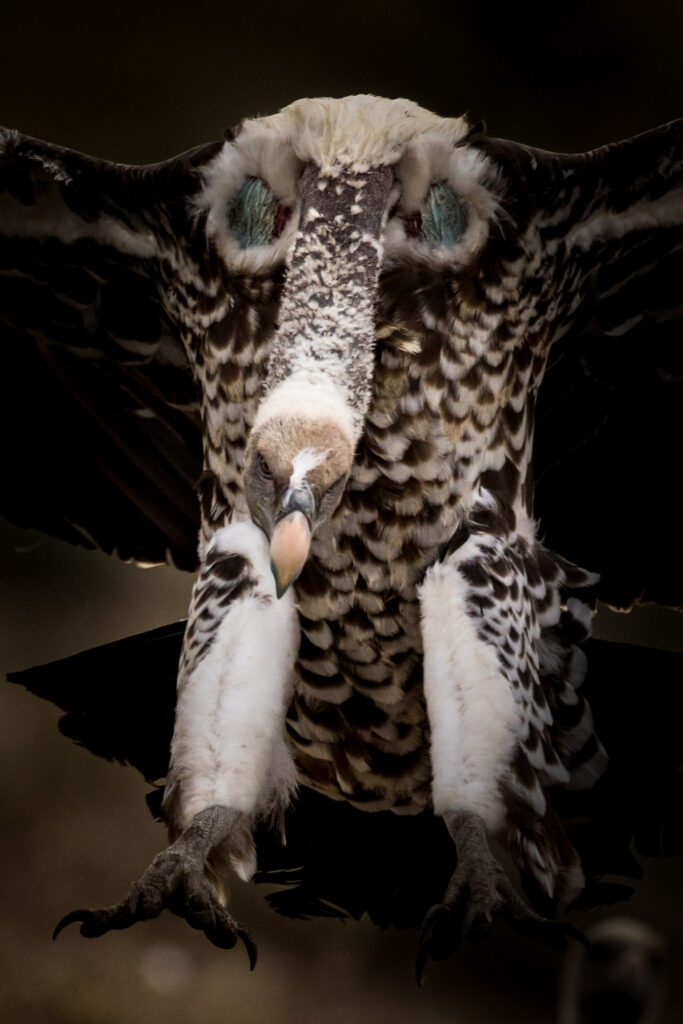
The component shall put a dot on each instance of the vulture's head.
(297, 465)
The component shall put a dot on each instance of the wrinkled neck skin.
(323, 351)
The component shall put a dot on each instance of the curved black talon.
(220, 928)
(250, 947)
(420, 964)
(74, 915)
(443, 927)
(463, 916)
(211, 918)
(438, 938)
(478, 892)
(175, 881)
(95, 923)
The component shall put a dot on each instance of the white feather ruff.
(353, 133)
(313, 395)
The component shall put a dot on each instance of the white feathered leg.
(473, 717)
(475, 726)
(234, 687)
(229, 760)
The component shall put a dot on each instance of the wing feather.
(97, 395)
(609, 415)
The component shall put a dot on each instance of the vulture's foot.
(176, 881)
(479, 890)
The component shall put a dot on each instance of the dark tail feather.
(119, 698)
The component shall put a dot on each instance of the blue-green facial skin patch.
(444, 216)
(251, 214)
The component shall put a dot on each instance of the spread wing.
(605, 233)
(98, 403)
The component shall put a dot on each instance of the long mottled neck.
(327, 310)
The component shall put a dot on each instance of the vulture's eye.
(255, 216)
(264, 468)
(442, 219)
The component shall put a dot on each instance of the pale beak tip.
(280, 587)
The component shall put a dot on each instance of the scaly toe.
(95, 923)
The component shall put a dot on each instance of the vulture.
(403, 396)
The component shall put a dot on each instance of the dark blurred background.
(139, 82)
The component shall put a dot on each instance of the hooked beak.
(289, 549)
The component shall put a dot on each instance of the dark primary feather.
(96, 393)
(610, 409)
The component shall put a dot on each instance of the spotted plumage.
(339, 323)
